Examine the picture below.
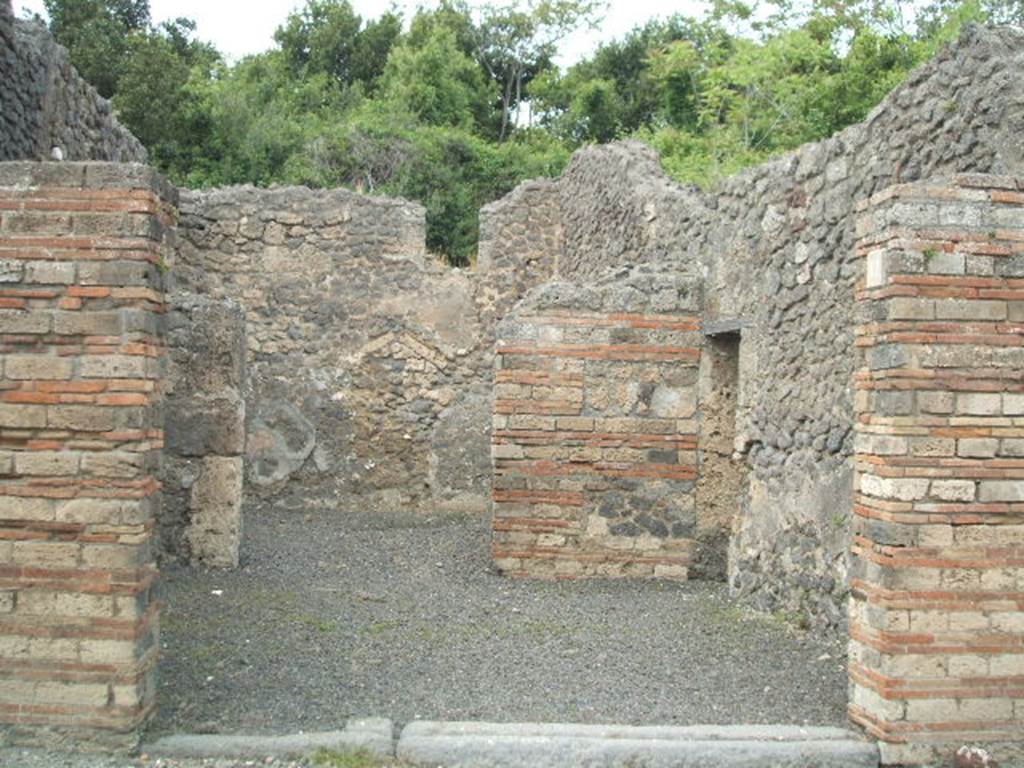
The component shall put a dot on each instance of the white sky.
(240, 27)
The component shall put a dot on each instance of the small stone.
(973, 757)
(369, 596)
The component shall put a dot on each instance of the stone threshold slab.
(373, 735)
(535, 745)
(551, 745)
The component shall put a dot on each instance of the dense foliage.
(456, 105)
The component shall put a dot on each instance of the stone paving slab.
(536, 745)
(372, 735)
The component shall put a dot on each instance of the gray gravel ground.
(335, 615)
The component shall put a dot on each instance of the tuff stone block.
(979, 404)
(38, 367)
(214, 532)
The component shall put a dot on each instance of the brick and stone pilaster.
(937, 614)
(81, 359)
(595, 430)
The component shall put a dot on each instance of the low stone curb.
(552, 745)
(530, 745)
(374, 735)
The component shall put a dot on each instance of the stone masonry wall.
(594, 433)
(937, 615)
(775, 247)
(46, 104)
(81, 358)
(369, 362)
(201, 516)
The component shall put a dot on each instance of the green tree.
(167, 61)
(328, 37)
(96, 33)
(454, 15)
(436, 82)
(263, 123)
(595, 112)
(373, 46)
(641, 96)
(517, 41)
(432, 113)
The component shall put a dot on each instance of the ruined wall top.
(47, 104)
(957, 112)
(98, 175)
(372, 226)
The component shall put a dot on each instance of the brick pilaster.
(81, 337)
(937, 614)
(595, 443)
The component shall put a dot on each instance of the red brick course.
(81, 361)
(937, 608)
(567, 434)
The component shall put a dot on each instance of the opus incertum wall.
(937, 608)
(45, 103)
(81, 348)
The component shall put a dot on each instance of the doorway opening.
(722, 475)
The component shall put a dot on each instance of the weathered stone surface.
(47, 104)
(357, 340)
(775, 247)
(211, 424)
(215, 527)
(722, 481)
(81, 427)
(279, 442)
(934, 629)
(207, 340)
(595, 441)
(205, 423)
(371, 735)
(539, 745)
(460, 467)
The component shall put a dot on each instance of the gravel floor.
(338, 615)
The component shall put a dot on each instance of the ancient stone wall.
(369, 361)
(775, 247)
(201, 515)
(937, 617)
(81, 431)
(520, 246)
(47, 104)
(595, 431)
(20, 118)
